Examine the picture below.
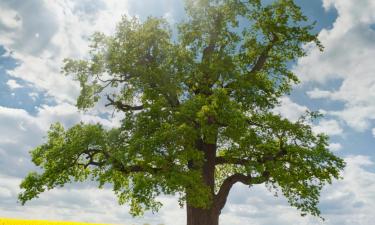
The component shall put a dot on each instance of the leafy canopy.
(217, 82)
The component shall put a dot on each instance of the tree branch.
(282, 152)
(126, 170)
(220, 160)
(121, 106)
(108, 82)
(207, 82)
(262, 59)
(222, 195)
(116, 164)
(213, 36)
(90, 154)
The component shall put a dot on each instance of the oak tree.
(198, 112)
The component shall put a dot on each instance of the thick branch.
(121, 106)
(262, 59)
(90, 155)
(111, 81)
(222, 195)
(126, 170)
(124, 78)
(116, 164)
(208, 81)
(253, 123)
(220, 160)
(282, 152)
(213, 36)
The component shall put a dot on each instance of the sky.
(36, 35)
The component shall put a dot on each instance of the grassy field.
(5, 221)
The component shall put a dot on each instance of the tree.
(198, 112)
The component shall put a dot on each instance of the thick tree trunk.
(196, 216)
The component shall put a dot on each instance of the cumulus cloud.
(62, 30)
(348, 57)
(290, 109)
(12, 84)
(83, 203)
(329, 127)
(351, 200)
(316, 93)
(33, 95)
(10, 22)
(335, 147)
(20, 132)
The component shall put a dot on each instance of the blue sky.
(35, 36)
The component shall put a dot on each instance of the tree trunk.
(196, 216)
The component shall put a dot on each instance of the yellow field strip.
(5, 221)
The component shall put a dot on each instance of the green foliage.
(217, 84)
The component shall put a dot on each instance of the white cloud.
(317, 93)
(20, 132)
(290, 109)
(351, 200)
(329, 127)
(59, 31)
(73, 203)
(67, 114)
(358, 117)
(9, 22)
(62, 30)
(12, 84)
(5, 193)
(348, 57)
(12, 120)
(335, 147)
(33, 95)
(9, 19)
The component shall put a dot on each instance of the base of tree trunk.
(196, 216)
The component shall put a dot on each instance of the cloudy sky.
(35, 36)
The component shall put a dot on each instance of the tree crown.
(217, 83)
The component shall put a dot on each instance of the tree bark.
(197, 216)
(209, 165)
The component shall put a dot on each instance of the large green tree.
(198, 112)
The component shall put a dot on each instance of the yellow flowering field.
(4, 221)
